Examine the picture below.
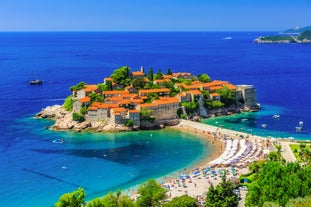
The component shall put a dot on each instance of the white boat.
(227, 38)
(264, 125)
(298, 129)
(301, 123)
(276, 116)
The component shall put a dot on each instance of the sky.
(153, 15)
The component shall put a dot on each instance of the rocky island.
(135, 100)
(304, 37)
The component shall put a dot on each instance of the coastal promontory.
(304, 37)
(135, 100)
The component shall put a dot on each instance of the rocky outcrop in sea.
(63, 121)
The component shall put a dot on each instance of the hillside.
(304, 37)
(296, 30)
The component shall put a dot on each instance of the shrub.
(68, 104)
(129, 123)
(78, 117)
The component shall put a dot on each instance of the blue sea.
(35, 171)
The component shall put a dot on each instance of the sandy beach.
(234, 152)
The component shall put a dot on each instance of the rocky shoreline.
(63, 121)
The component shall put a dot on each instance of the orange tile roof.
(214, 94)
(115, 98)
(182, 94)
(181, 74)
(117, 114)
(108, 79)
(134, 111)
(137, 73)
(148, 105)
(90, 88)
(115, 92)
(144, 97)
(216, 88)
(167, 76)
(231, 86)
(96, 104)
(92, 109)
(119, 109)
(85, 99)
(125, 102)
(190, 86)
(162, 80)
(106, 106)
(158, 90)
(195, 92)
(136, 100)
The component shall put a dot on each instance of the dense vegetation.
(302, 152)
(278, 182)
(68, 104)
(277, 38)
(305, 35)
(222, 194)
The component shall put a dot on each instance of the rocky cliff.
(63, 121)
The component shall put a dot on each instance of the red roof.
(115, 92)
(214, 94)
(90, 88)
(120, 109)
(134, 111)
(92, 109)
(86, 99)
(106, 106)
(158, 90)
(181, 74)
(195, 92)
(138, 73)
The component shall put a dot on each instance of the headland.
(303, 37)
(135, 100)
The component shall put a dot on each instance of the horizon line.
(73, 31)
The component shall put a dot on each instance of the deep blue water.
(35, 171)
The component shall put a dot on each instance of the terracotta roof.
(148, 105)
(136, 101)
(137, 73)
(116, 113)
(115, 92)
(195, 92)
(162, 80)
(231, 86)
(216, 88)
(181, 74)
(85, 99)
(96, 104)
(108, 79)
(181, 94)
(167, 76)
(214, 94)
(90, 88)
(144, 97)
(134, 111)
(159, 90)
(115, 98)
(119, 109)
(106, 106)
(169, 100)
(190, 86)
(125, 102)
(92, 109)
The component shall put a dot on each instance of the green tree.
(129, 123)
(222, 195)
(121, 76)
(150, 194)
(68, 103)
(74, 199)
(182, 201)
(96, 97)
(145, 115)
(150, 74)
(112, 200)
(83, 110)
(227, 96)
(78, 117)
(77, 87)
(214, 104)
(204, 78)
(139, 83)
(159, 75)
(169, 72)
(191, 107)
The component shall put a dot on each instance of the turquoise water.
(99, 162)
(263, 124)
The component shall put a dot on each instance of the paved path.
(243, 196)
(286, 152)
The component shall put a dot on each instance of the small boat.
(227, 38)
(58, 141)
(36, 82)
(301, 123)
(264, 125)
(298, 129)
(276, 116)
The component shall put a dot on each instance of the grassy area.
(296, 149)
